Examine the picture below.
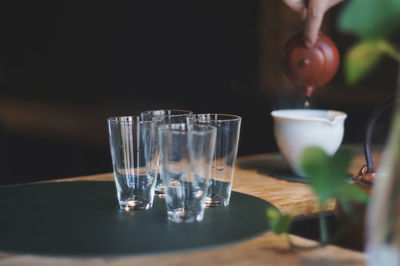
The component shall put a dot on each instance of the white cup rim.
(308, 114)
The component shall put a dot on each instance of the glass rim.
(182, 112)
(183, 127)
(215, 117)
(129, 119)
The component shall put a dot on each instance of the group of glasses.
(187, 159)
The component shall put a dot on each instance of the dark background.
(65, 66)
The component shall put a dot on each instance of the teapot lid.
(313, 67)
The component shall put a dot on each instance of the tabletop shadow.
(273, 165)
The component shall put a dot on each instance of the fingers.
(297, 6)
(333, 2)
(315, 13)
(312, 14)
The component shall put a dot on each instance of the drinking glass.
(169, 116)
(165, 116)
(185, 162)
(227, 142)
(135, 157)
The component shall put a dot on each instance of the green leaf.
(340, 162)
(362, 58)
(314, 161)
(318, 167)
(326, 174)
(370, 19)
(278, 223)
(352, 192)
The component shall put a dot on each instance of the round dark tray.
(81, 219)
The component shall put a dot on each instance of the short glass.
(135, 157)
(185, 162)
(224, 162)
(166, 116)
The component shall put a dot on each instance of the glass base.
(216, 202)
(180, 216)
(134, 205)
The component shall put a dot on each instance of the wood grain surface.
(251, 177)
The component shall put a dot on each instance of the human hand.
(312, 12)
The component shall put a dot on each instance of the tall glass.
(169, 116)
(226, 147)
(166, 116)
(186, 161)
(135, 157)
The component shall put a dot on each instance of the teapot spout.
(309, 91)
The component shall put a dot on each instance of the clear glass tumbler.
(226, 147)
(185, 162)
(135, 157)
(165, 116)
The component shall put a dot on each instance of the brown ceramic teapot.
(310, 68)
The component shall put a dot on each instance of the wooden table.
(291, 198)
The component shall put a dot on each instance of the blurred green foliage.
(364, 56)
(328, 175)
(374, 22)
(328, 178)
(278, 222)
(371, 19)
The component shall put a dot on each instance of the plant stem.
(323, 227)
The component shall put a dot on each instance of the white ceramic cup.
(297, 129)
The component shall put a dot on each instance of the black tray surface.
(82, 219)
